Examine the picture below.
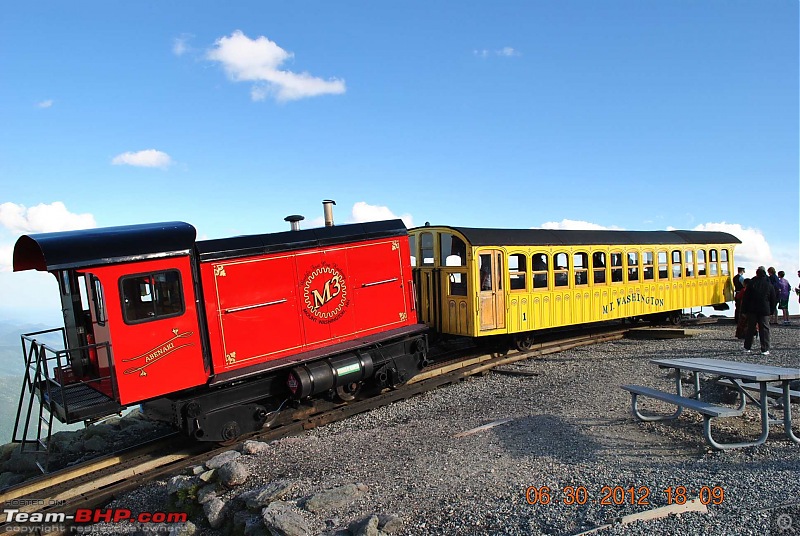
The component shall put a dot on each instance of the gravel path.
(570, 426)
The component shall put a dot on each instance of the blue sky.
(230, 116)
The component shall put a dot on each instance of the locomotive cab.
(128, 301)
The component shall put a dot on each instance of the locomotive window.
(647, 264)
(663, 271)
(599, 266)
(688, 257)
(64, 282)
(539, 265)
(561, 270)
(676, 264)
(453, 250)
(412, 246)
(723, 262)
(633, 266)
(580, 261)
(458, 284)
(712, 261)
(517, 271)
(98, 301)
(82, 291)
(616, 267)
(426, 243)
(701, 262)
(152, 296)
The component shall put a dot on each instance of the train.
(214, 336)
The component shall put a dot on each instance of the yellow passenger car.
(480, 282)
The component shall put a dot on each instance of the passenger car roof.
(558, 237)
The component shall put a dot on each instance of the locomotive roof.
(107, 245)
(240, 246)
(555, 237)
(104, 245)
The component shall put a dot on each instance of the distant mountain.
(10, 387)
(11, 359)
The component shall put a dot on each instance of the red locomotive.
(213, 335)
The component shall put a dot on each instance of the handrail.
(41, 373)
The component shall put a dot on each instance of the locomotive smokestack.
(294, 220)
(327, 206)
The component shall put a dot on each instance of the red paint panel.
(156, 357)
(274, 306)
(379, 286)
(257, 309)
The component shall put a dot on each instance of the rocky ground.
(76, 446)
(410, 469)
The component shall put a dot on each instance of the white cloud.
(45, 103)
(365, 212)
(754, 249)
(258, 60)
(146, 158)
(42, 218)
(506, 52)
(575, 224)
(180, 45)
(6, 257)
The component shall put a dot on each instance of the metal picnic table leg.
(764, 425)
(787, 413)
(650, 418)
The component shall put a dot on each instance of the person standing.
(757, 303)
(784, 290)
(773, 279)
(797, 290)
(738, 288)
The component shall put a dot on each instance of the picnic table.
(742, 376)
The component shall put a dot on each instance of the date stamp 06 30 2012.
(623, 495)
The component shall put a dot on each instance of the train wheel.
(675, 318)
(230, 434)
(348, 392)
(523, 341)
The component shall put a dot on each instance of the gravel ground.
(570, 426)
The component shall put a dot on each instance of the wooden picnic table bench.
(744, 377)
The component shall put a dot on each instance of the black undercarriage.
(225, 412)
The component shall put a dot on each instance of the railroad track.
(96, 482)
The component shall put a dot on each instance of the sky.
(621, 114)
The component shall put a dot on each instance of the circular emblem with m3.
(325, 294)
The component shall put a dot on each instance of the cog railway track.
(96, 482)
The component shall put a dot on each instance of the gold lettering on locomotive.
(325, 293)
(157, 353)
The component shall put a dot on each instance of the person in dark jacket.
(738, 292)
(757, 303)
(773, 279)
